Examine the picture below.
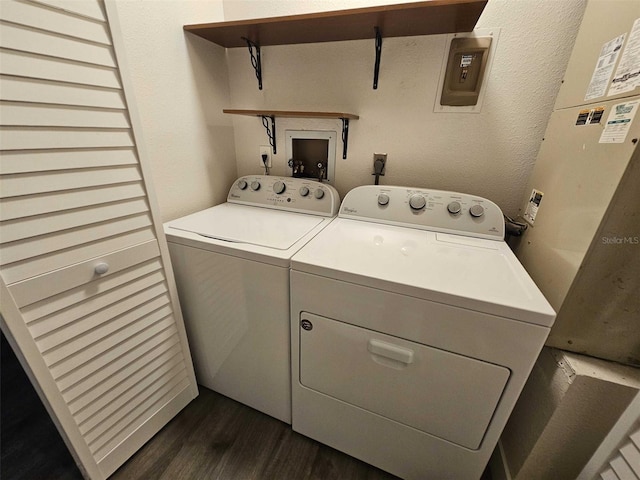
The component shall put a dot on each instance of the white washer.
(231, 264)
(414, 328)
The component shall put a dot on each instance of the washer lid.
(263, 227)
(473, 273)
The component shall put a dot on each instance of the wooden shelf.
(267, 115)
(291, 114)
(401, 20)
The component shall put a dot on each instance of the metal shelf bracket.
(345, 136)
(376, 68)
(256, 61)
(271, 131)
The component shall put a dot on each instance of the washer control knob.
(319, 193)
(304, 191)
(454, 208)
(279, 187)
(417, 202)
(242, 184)
(476, 210)
(255, 185)
(383, 199)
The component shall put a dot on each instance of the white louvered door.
(106, 350)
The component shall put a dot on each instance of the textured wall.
(180, 85)
(489, 154)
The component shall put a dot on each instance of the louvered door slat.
(609, 474)
(33, 183)
(59, 329)
(46, 244)
(60, 345)
(45, 91)
(127, 425)
(141, 319)
(102, 407)
(45, 115)
(622, 469)
(92, 10)
(26, 206)
(109, 411)
(50, 332)
(54, 21)
(13, 230)
(148, 361)
(34, 66)
(27, 39)
(159, 337)
(29, 161)
(632, 455)
(21, 138)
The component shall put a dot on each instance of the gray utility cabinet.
(583, 249)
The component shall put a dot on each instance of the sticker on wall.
(604, 68)
(627, 76)
(619, 122)
(533, 205)
(589, 116)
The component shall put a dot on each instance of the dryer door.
(441, 393)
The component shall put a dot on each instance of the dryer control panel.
(285, 193)
(426, 209)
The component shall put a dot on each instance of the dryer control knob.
(319, 193)
(454, 208)
(255, 185)
(279, 187)
(304, 191)
(476, 210)
(242, 184)
(417, 202)
(383, 199)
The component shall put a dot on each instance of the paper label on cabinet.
(619, 122)
(604, 68)
(532, 206)
(627, 76)
(591, 116)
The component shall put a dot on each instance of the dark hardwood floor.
(217, 438)
(214, 437)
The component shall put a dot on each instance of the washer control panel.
(285, 193)
(426, 209)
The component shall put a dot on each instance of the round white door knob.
(417, 202)
(101, 268)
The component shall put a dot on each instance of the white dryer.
(414, 328)
(231, 264)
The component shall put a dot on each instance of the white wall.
(489, 154)
(180, 84)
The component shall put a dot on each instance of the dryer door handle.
(388, 350)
